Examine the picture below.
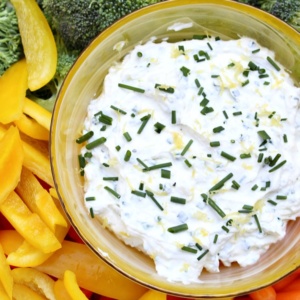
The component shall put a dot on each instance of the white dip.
(229, 156)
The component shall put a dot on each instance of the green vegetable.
(286, 10)
(11, 49)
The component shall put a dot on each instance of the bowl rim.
(263, 16)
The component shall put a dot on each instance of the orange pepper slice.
(11, 159)
(23, 292)
(32, 128)
(13, 86)
(39, 200)
(38, 43)
(39, 282)
(153, 295)
(29, 224)
(91, 272)
(70, 283)
(6, 278)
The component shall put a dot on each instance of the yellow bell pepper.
(153, 295)
(38, 113)
(10, 240)
(29, 224)
(13, 86)
(38, 43)
(36, 158)
(23, 292)
(39, 282)
(11, 160)
(91, 272)
(3, 294)
(39, 200)
(6, 278)
(72, 287)
(60, 291)
(32, 128)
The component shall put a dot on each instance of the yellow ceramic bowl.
(227, 19)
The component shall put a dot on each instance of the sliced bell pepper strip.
(60, 291)
(72, 287)
(6, 278)
(23, 292)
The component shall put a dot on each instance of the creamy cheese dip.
(194, 155)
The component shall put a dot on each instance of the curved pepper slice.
(38, 43)
(13, 86)
(60, 291)
(72, 287)
(23, 292)
(11, 159)
(91, 272)
(32, 128)
(29, 224)
(6, 278)
(39, 282)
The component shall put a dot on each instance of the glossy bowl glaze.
(227, 19)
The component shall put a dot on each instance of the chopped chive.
(132, 88)
(92, 198)
(186, 148)
(237, 113)
(277, 167)
(105, 165)
(197, 83)
(107, 120)
(200, 92)
(88, 154)
(215, 76)
(118, 110)
(256, 51)
(272, 202)
(158, 166)
(92, 213)
(185, 71)
(159, 127)
(252, 66)
(274, 160)
(196, 58)
(114, 193)
(260, 157)
(231, 65)
(245, 155)
(173, 117)
(151, 195)
(139, 193)
(141, 186)
(217, 209)
(103, 128)
(248, 207)
(273, 63)
(127, 136)
(255, 187)
(189, 249)
(204, 102)
(209, 46)
(178, 228)
(263, 135)
(178, 200)
(188, 163)
(225, 114)
(235, 185)
(111, 178)
(263, 76)
(95, 143)
(215, 144)
(144, 120)
(245, 82)
(181, 48)
(221, 183)
(163, 88)
(258, 223)
(246, 73)
(161, 186)
(198, 246)
(84, 137)
(218, 129)
(228, 156)
(139, 54)
(216, 238)
(204, 53)
(266, 83)
(225, 228)
(283, 119)
(285, 139)
(81, 162)
(281, 197)
(127, 155)
(132, 115)
(118, 147)
(203, 254)
(165, 173)
(206, 110)
(142, 163)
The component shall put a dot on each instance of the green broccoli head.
(78, 22)
(11, 49)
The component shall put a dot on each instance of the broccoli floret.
(11, 49)
(79, 21)
(46, 96)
